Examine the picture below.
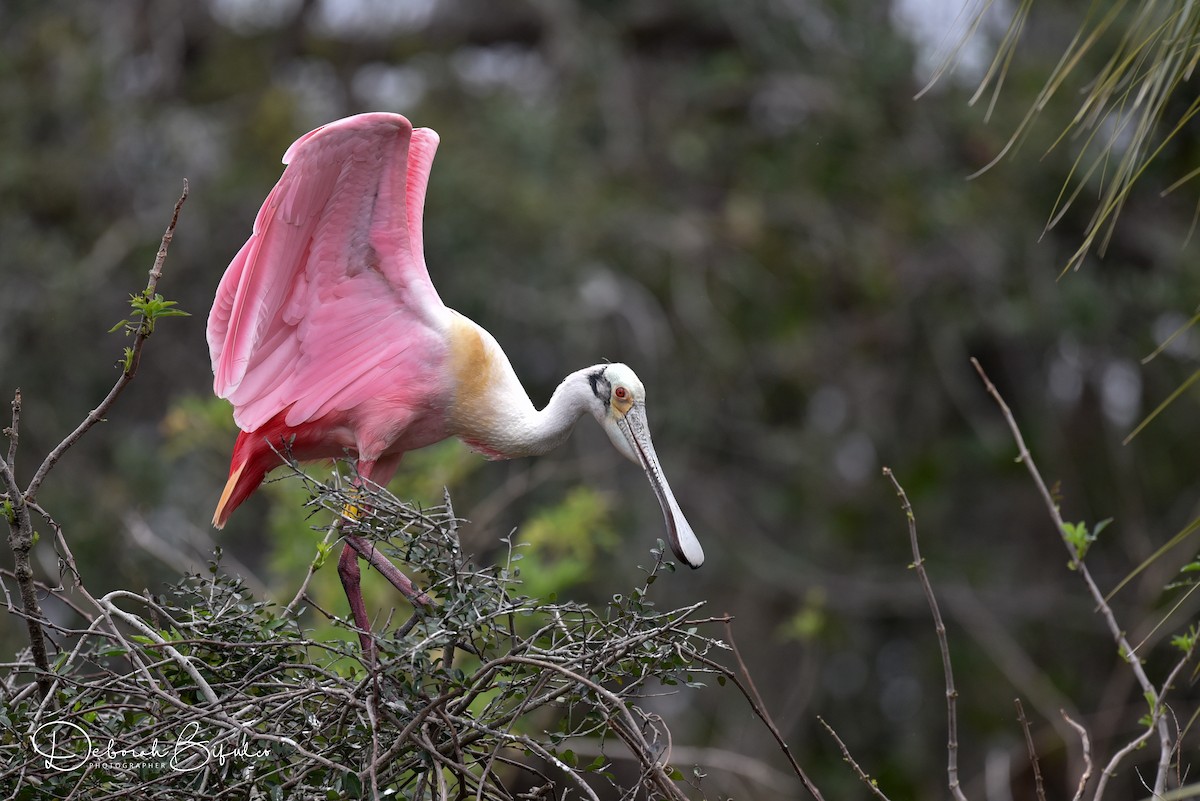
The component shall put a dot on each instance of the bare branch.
(862, 775)
(1033, 757)
(110, 608)
(943, 645)
(1087, 755)
(21, 504)
(750, 693)
(14, 431)
(1110, 769)
(1158, 721)
(1164, 757)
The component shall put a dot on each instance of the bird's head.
(618, 402)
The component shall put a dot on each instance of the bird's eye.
(620, 393)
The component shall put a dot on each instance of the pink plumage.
(329, 339)
(328, 307)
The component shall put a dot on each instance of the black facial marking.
(600, 386)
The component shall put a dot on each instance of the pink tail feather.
(258, 452)
(246, 472)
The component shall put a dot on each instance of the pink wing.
(329, 302)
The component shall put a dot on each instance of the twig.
(1190, 791)
(1164, 759)
(536, 748)
(110, 609)
(756, 703)
(1087, 755)
(1033, 757)
(14, 432)
(940, 627)
(317, 562)
(66, 559)
(745, 766)
(143, 331)
(1157, 720)
(862, 775)
(48, 590)
(1110, 769)
(622, 722)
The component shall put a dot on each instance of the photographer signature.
(66, 746)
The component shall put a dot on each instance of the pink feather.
(333, 274)
(329, 339)
(326, 331)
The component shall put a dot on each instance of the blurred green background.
(742, 201)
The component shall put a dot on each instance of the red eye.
(620, 393)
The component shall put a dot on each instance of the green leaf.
(323, 549)
(1187, 641)
(351, 785)
(1080, 538)
(150, 309)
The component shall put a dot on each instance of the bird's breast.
(490, 407)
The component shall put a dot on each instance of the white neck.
(541, 431)
(513, 428)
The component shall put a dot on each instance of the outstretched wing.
(329, 302)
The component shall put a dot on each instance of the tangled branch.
(475, 697)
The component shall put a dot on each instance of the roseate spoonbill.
(326, 333)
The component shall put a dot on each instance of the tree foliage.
(1136, 59)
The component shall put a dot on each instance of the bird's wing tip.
(354, 123)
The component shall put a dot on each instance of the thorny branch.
(206, 654)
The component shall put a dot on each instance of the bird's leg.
(367, 550)
(379, 471)
(349, 573)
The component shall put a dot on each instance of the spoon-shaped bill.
(683, 542)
